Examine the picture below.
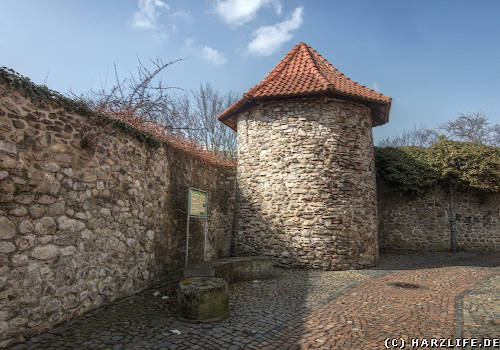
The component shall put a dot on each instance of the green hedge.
(414, 169)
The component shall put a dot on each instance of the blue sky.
(434, 58)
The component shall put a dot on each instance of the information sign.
(198, 203)
(197, 207)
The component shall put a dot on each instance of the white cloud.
(375, 86)
(206, 52)
(268, 39)
(147, 14)
(189, 43)
(239, 12)
(277, 6)
(186, 15)
(213, 55)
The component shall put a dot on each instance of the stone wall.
(424, 223)
(306, 190)
(89, 214)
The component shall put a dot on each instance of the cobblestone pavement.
(481, 309)
(309, 309)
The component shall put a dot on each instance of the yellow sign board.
(197, 203)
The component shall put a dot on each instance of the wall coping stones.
(233, 269)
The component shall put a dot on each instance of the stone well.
(202, 299)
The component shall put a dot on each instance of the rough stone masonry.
(306, 184)
(84, 223)
(306, 191)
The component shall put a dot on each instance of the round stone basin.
(202, 299)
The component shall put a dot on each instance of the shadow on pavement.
(265, 314)
(410, 260)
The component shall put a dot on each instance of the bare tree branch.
(470, 127)
(147, 96)
(46, 78)
(200, 113)
(421, 136)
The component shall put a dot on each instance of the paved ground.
(407, 296)
(481, 308)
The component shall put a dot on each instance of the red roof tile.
(303, 71)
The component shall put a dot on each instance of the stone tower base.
(306, 184)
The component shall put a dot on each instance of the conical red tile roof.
(303, 71)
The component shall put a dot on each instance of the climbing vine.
(42, 94)
(463, 165)
(150, 133)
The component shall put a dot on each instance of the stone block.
(37, 211)
(25, 198)
(45, 226)
(20, 260)
(25, 242)
(7, 228)
(6, 197)
(88, 175)
(52, 306)
(19, 211)
(49, 166)
(46, 252)
(234, 269)
(66, 224)
(202, 299)
(48, 185)
(56, 209)
(44, 199)
(7, 247)
(9, 163)
(8, 147)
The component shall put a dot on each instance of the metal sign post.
(197, 207)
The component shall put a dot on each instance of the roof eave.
(226, 117)
(379, 109)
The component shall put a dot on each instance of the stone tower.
(306, 177)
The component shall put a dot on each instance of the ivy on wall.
(42, 94)
(152, 134)
(464, 165)
(407, 169)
